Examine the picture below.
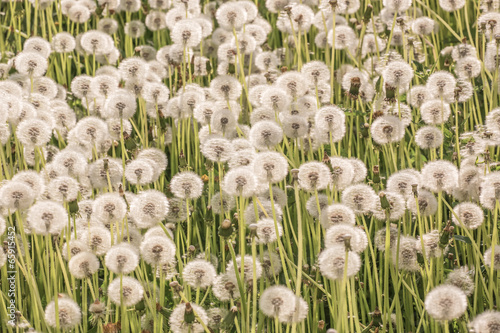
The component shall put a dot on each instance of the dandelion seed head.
(451, 5)
(387, 129)
(156, 157)
(224, 288)
(430, 243)
(47, 217)
(83, 265)
(397, 207)
(486, 322)
(294, 83)
(312, 205)
(134, 29)
(125, 289)
(445, 302)
(469, 215)
(435, 112)
(342, 173)
(16, 195)
(492, 257)
(225, 87)
(265, 134)
(186, 185)
(100, 170)
(277, 301)
(248, 268)
(441, 84)
(266, 231)
(440, 175)
(223, 120)
(398, 74)
(332, 263)
(98, 239)
(314, 176)
(264, 210)
(199, 273)
(139, 172)
(461, 278)
(157, 250)
(231, 16)
(109, 207)
(423, 26)
(338, 233)
(270, 167)
(68, 311)
(177, 323)
(429, 137)
(425, 204)
(407, 256)
(149, 208)
(419, 95)
(345, 37)
(380, 238)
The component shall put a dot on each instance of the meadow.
(188, 166)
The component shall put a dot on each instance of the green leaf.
(462, 239)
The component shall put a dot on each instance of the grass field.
(269, 166)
